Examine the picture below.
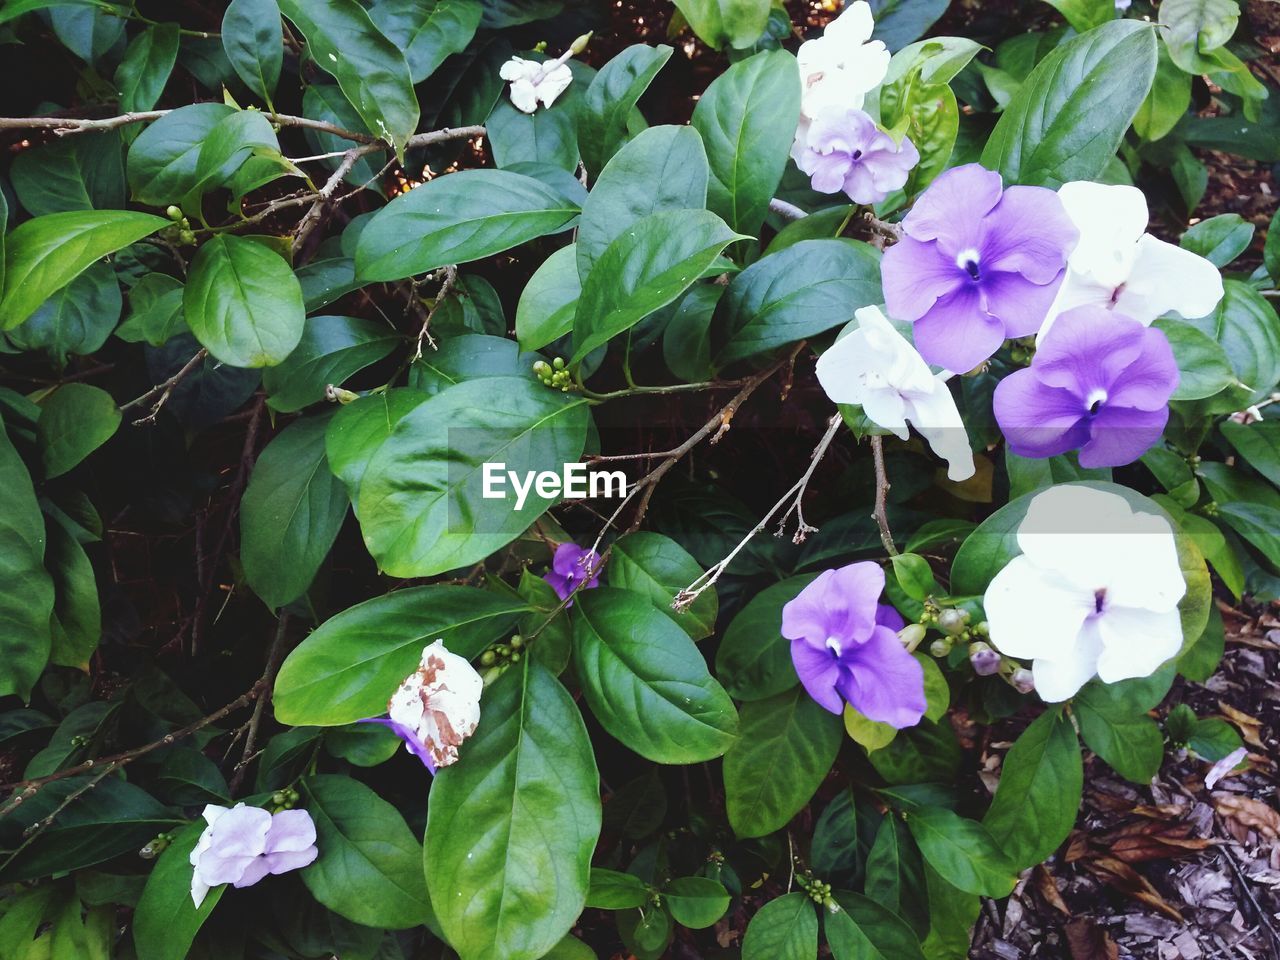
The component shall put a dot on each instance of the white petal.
(1110, 218)
(886, 408)
(854, 25)
(1057, 680)
(440, 702)
(553, 84)
(935, 416)
(524, 95)
(1168, 279)
(199, 889)
(1136, 642)
(1076, 290)
(1033, 615)
(519, 68)
(1074, 530)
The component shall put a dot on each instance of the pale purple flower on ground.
(1100, 383)
(570, 566)
(1120, 267)
(876, 368)
(243, 844)
(845, 647)
(844, 150)
(1095, 591)
(976, 265)
(436, 707)
(534, 83)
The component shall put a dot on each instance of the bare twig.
(63, 126)
(274, 657)
(882, 492)
(788, 210)
(447, 276)
(165, 390)
(803, 529)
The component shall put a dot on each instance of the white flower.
(439, 704)
(875, 367)
(533, 83)
(1119, 266)
(1095, 591)
(841, 67)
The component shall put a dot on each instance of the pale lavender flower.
(845, 647)
(243, 844)
(844, 150)
(570, 566)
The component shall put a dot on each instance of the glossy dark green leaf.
(349, 666)
(290, 514)
(785, 750)
(1258, 443)
(46, 253)
(370, 865)
(427, 31)
(27, 601)
(805, 289)
(155, 311)
(754, 659)
(458, 218)
(324, 101)
(422, 503)
(1067, 119)
(549, 299)
(331, 350)
(612, 890)
(229, 144)
(90, 32)
(1246, 327)
(161, 165)
(1259, 523)
(657, 567)
(370, 69)
(863, 929)
(77, 173)
(512, 825)
(1039, 794)
(254, 43)
(607, 105)
(75, 420)
(145, 69)
(895, 874)
(644, 269)
(898, 22)
(243, 302)
(1203, 367)
(663, 168)
(739, 117)
(166, 920)
(1085, 14)
(646, 682)
(737, 23)
(468, 356)
(962, 851)
(1119, 732)
(359, 428)
(549, 135)
(1219, 239)
(1195, 28)
(783, 929)
(1168, 100)
(696, 902)
(77, 319)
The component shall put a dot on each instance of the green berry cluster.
(180, 232)
(554, 374)
(156, 846)
(1022, 350)
(503, 653)
(285, 799)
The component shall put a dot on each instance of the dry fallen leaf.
(1248, 813)
(1048, 889)
(1250, 727)
(1122, 877)
(1088, 941)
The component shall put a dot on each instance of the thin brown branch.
(165, 390)
(63, 126)
(448, 276)
(274, 658)
(882, 492)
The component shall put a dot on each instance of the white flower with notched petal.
(1117, 265)
(876, 368)
(533, 83)
(842, 66)
(437, 706)
(1095, 592)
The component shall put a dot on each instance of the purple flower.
(844, 645)
(976, 265)
(241, 845)
(845, 150)
(570, 566)
(1099, 383)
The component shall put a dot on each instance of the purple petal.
(805, 616)
(287, 860)
(818, 670)
(568, 559)
(1120, 435)
(418, 749)
(1038, 420)
(884, 682)
(1029, 233)
(915, 276)
(1088, 349)
(254, 871)
(1150, 380)
(1020, 304)
(887, 616)
(827, 171)
(952, 209)
(563, 586)
(957, 333)
(291, 831)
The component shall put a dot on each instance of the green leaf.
(145, 69)
(427, 31)
(646, 682)
(78, 173)
(1246, 327)
(46, 253)
(657, 567)
(549, 135)
(611, 890)
(26, 603)
(738, 23)
(77, 614)
(1259, 523)
(647, 267)
(155, 304)
(1219, 239)
(1168, 100)
(1270, 250)
(359, 428)
(458, 218)
(243, 302)
(422, 506)
(88, 32)
(803, 290)
(1199, 661)
(331, 350)
(512, 825)
(77, 319)
(1129, 742)
(962, 851)
(370, 864)
(1193, 28)
(369, 68)
(739, 117)
(75, 420)
(347, 668)
(785, 750)
(914, 576)
(1084, 15)
(1258, 443)
(290, 514)
(166, 920)
(1203, 367)
(468, 356)
(254, 43)
(696, 902)
(547, 303)
(895, 874)
(324, 101)
(952, 914)
(754, 659)
(783, 929)
(229, 144)
(663, 168)
(1069, 116)
(865, 930)
(1039, 794)
(161, 165)
(611, 98)
(570, 948)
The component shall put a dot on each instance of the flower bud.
(173, 213)
(541, 367)
(338, 395)
(558, 363)
(1022, 680)
(940, 647)
(517, 641)
(952, 621)
(985, 661)
(912, 635)
(487, 658)
(578, 46)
